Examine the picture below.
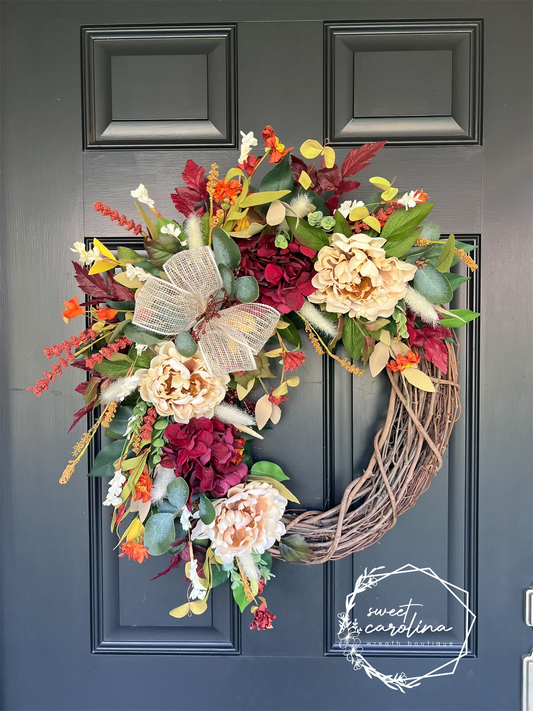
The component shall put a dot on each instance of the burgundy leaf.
(174, 563)
(119, 292)
(80, 364)
(81, 413)
(185, 200)
(193, 177)
(436, 331)
(416, 338)
(332, 203)
(346, 186)
(180, 559)
(359, 158)
(298, 165)
(437, 353)
(82, 387)
(329, 178)
(92, 284)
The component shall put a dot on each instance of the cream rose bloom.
(181, 387)
(248, 519)
(354, 277)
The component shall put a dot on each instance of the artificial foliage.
(193, 344)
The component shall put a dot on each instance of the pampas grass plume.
(420, 306)
(193, 230)
(318, 321)
(233, 415)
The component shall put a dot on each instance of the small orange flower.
(134, 550)
(143, 488)
(277, 149)
(72, 309)
(403, 362)
(226, 192)
(421, 196)
(106, 314)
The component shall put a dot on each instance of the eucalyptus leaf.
(293, 547)
(207, 510)
(433, 285)
(246, 289)
(159, 533)
(228, 279)
(106, 457)
(455, 280)
(431, 231)
(225, 249)
(119, 423)
(178, 492)
(185, 344)
(139, 335)
(121, 305)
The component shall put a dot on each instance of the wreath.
(181, 337)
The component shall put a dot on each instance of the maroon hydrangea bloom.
(207, 453)
(284, 275)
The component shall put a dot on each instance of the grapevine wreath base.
(407, 454)
(183, 341)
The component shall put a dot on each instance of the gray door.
(100, 96)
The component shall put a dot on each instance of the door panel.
(86, 118)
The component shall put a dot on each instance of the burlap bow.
(227, 338)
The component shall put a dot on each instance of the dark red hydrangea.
(207, 453)
(284, 275)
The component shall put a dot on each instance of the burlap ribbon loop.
(229, 342)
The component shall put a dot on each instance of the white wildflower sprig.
(198, 590)
(120, 389)
(410, 199)
(420, 306)
(133, 272)
(318, 321)
(185, 518)
(115, 489)
(247, 143)
(348, 205)
(141, 194)
(86, 256)
(172, 229)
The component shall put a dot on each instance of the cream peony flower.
(354, 277)
(181, 387)
(248, 519)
